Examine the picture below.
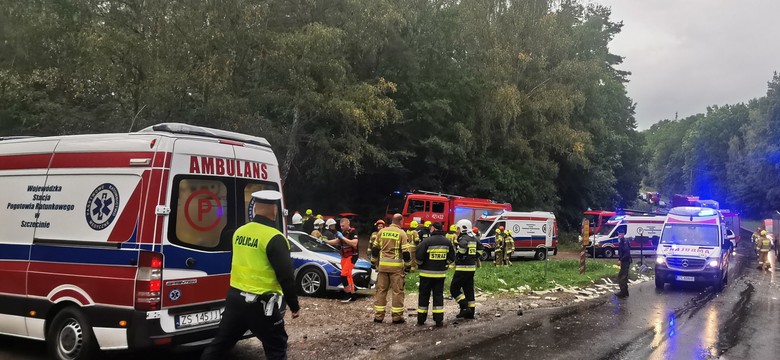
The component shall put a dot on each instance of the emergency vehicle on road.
(123, 241)
(422, 206)
(641, 232)
(535, 233)
(694, 247)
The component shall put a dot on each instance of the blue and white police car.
(318, 266)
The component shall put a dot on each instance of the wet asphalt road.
(681, 322)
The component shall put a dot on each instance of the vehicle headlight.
(714, 263)
(660, 260)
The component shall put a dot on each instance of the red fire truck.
(422, 206)
(597, 218)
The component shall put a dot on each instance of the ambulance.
(694, 248)
(535, 233)
(123, 241)
(641, 232)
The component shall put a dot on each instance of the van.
(641, 232)
(123, 241)
(535, 233)
(694, 248)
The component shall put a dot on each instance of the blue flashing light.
(706, 212)
(485, 213)
(397, 192)
(619, 217)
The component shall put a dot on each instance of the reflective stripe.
(460, 297)
(390, 262)
(440, 311)
(438, 248)
(472, 304)
(465, 267)
(379, 308)
(422, 311)
(433, 273)
(398, 309)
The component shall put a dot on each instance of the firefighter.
(478, 236)
(424, 232)
(296, 221)
(462, 286)
(391, 258)
(754, 238)
(499, 247)
(308, 222)
(452, 234)
(509, 247)
(317, 232)
(379, 224)
(763, 246)
(413, 237)
(434, 254)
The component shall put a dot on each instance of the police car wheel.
(609, 253)
(540, 255)
(70, 336)
(311, 282)
(485, 256)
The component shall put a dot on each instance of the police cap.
(267, 196)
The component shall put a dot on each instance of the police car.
(318, 266)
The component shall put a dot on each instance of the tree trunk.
(292, 145)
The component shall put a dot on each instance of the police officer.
(413, 237)
(499, 247)
(509, 247)
(462, 286)
(434, 255)
(624, 251)
(390, 255)
(261, 282)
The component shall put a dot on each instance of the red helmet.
(501, 228)
(475, 230)
(380, 221)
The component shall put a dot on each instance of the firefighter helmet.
(330, 222)
(318, 222)
(427, 224)
(763, 232)
(413, 225)
(453, 227)
(463, 226)
(379, 222)
(308, 211)
(297, 218)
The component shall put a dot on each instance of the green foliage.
(728, 154)
(515, 100)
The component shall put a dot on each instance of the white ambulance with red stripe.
(122, 241)
(694, 248)
(535, 233)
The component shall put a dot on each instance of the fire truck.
(422, 206)
(597, 218)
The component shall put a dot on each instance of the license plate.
(200, 318)
(685, 278)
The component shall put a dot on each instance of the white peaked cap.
(267, 195)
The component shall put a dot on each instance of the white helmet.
(318, 222)
(297, 218)
(330, 222)
(463, 225)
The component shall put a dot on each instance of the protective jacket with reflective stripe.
(434, 254)
(389, 248)
(469, 250)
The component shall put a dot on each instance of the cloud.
(685, 55)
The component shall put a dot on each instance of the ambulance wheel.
(540, 255)
(659, 284)
(70, 336)
(609, 253)
(311, 282)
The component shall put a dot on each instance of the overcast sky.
(685, 55)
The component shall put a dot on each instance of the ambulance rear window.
(201, 212)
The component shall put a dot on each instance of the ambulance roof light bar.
(178, 128)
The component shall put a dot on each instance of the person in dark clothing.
(434, 254)
(624, 251)
(261, 282)
(462, 286)
(308, 223)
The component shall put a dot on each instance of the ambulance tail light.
(148, 281)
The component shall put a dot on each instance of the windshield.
(484, 225)
(606, 229)
(395, 203)
(314, 245)
(682, 234)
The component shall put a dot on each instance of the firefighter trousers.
(430, 285)
(389, 282)
(462, 290)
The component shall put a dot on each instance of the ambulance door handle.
(190, 262)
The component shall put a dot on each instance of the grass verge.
(531, 273)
